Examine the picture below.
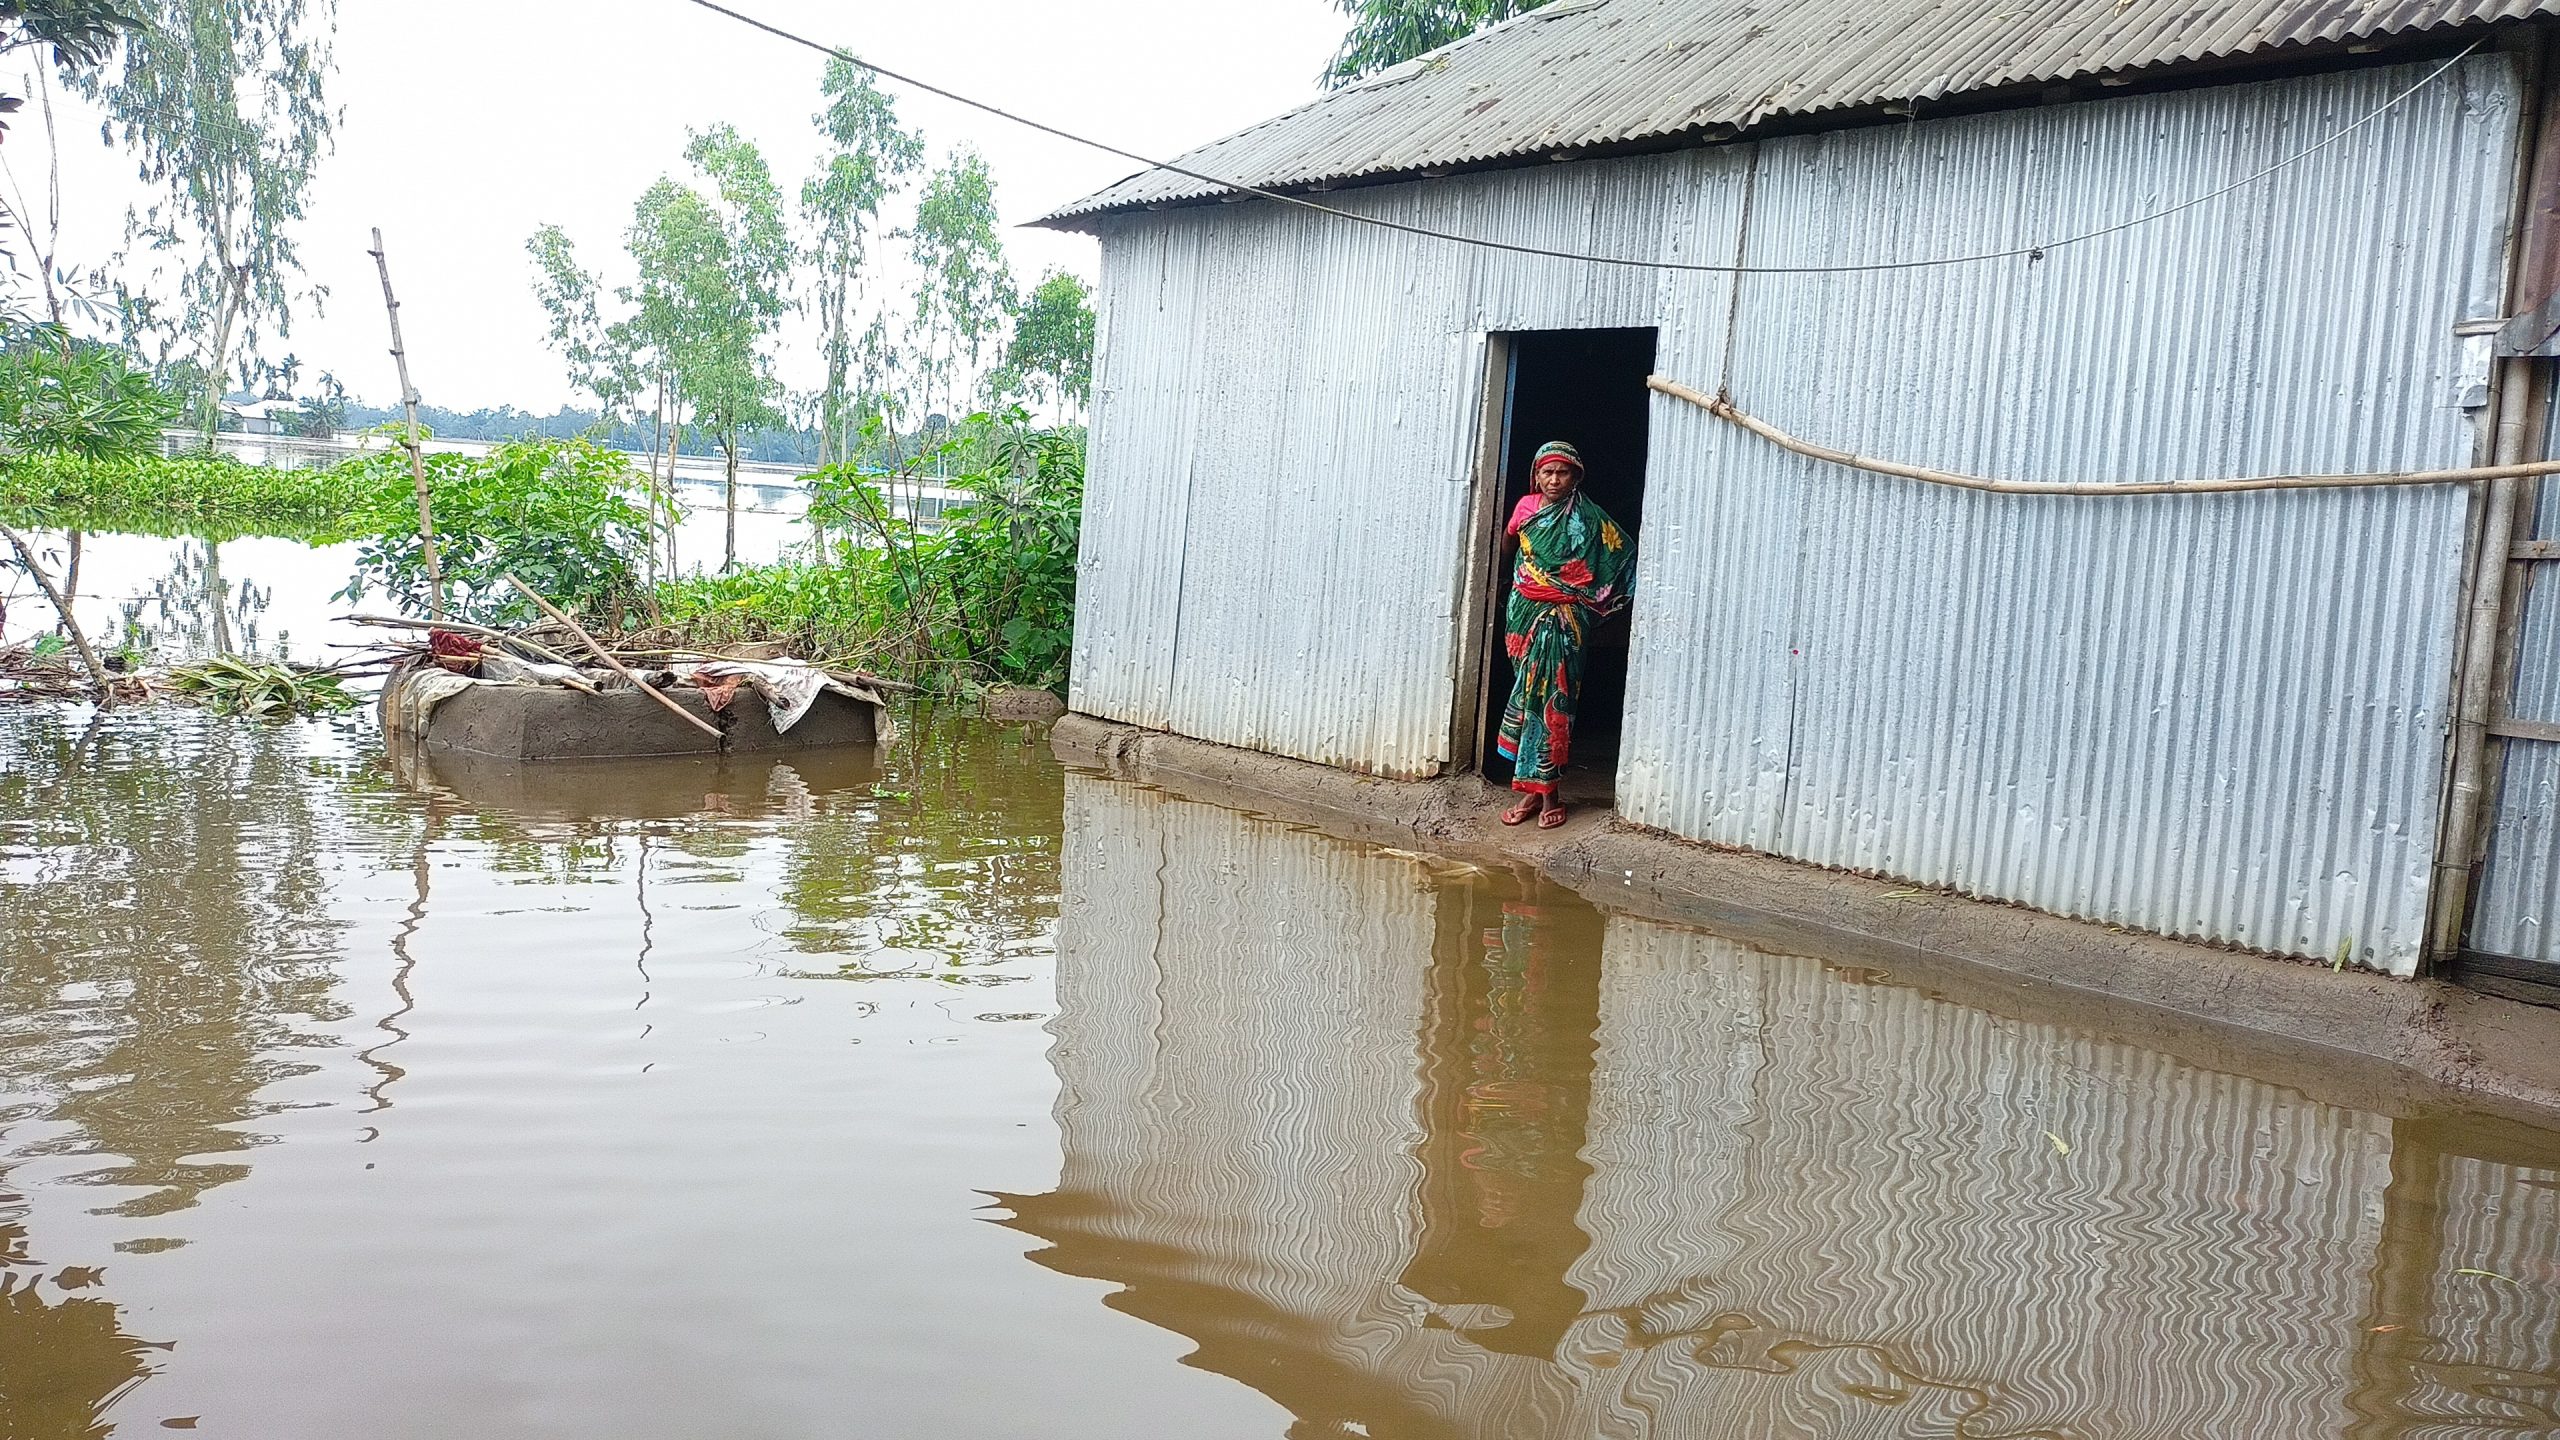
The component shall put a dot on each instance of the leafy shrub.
(568, 517)
(987, 595)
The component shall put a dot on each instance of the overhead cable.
(2027, 252)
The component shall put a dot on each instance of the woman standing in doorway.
(1574, 571)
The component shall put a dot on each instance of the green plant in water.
(210, 496)
(233, 686)
(568, 517)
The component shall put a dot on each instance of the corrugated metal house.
(2292, 721)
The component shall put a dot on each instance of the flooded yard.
(943, 1092)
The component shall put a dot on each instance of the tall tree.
(1386, 33)
(712, 271)
(868, 154)
(222, 103)
(615, 363)
(1052, 347)
(964, 298)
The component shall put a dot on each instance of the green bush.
(989, 595)
(568, 517)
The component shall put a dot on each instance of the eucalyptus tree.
(714, 273)
(867, 157)
(1386, 33)
(964, 298)
(222, 104)
(1052, 347)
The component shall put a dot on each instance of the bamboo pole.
(652, 691)
(70, 625)
(417, 460)
(1725, 410)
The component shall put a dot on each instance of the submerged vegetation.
(233, 686)
(213, 496)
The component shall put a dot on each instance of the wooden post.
(417, 460)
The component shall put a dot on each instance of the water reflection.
(1423, 1152)
(435, 1096)
(168, 942)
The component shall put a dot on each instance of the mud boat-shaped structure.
(523, 712)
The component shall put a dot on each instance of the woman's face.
(1556, 479)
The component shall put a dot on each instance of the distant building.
(2289, 721)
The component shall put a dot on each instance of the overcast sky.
(469, 122)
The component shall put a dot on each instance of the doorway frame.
(1478, 580)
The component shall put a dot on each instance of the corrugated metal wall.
(2220, 717)
(1283, 435)
(2518, 913)
(2210, 716)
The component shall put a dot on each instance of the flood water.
(939, 1092)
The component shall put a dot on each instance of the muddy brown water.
(940, 1092)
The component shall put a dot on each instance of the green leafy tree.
(712, 271)
(64, 401)
(868, 154)
(222, 104)
(83, 33)
(1052, 347)
(568, 517)
(965, 297)
(1386, 33)
(599, 362)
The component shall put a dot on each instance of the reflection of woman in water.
(1572, 573)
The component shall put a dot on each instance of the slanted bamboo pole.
(601, 653)
(539, 652)
(417, 459)
(70, 624)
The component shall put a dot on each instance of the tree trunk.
(729, 546)
(675, 503)
(217, 598)
(70, 624)
(215, 371)
(71, 576)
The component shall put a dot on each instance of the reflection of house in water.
(1403, 1152)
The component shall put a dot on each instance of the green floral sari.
(1576, 568)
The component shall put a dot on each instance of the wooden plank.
(2536, 550)
(2514, 729)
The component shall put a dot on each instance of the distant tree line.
(761, 445)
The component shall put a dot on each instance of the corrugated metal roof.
(1581, 75)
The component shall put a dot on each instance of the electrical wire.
(2027, 252)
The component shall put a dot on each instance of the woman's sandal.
(1550, 818)
(1519, 814)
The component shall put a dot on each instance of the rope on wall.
(1723, 408)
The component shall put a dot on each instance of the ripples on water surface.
(939, 1093)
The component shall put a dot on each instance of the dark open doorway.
(1586, 387)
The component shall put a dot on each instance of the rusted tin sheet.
(1581, 75)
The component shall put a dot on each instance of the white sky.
(469, 122)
